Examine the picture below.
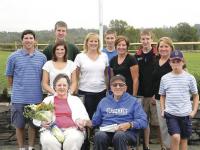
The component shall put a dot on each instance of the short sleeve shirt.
(124, 69)
(26, 71)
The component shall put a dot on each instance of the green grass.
(3, 58)
(192, 60)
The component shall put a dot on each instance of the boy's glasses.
(118, 84)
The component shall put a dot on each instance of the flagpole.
(101, 23)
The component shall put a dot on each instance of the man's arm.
(140, 117)
(10, 80)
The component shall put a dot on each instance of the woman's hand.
(80, 123)
(45, 124)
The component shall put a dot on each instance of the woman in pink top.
(69, 115)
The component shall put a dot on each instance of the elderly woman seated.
(69, 115)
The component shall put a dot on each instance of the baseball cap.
(176, 54)
(118, 77)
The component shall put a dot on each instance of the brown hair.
(146, 32)
(59, 43)
(110, 32)
(122, 38)
(60, 24)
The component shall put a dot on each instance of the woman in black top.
(162, 67)
(125, 64)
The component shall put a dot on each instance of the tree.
(119, 26)
(185, 33)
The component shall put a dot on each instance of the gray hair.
(60, 76)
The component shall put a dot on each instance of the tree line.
(182, 32)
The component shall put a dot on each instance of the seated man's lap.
(108, 136)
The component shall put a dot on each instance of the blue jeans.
(119, 140)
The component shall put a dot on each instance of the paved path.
(152, 146)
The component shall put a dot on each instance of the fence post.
(15, 45)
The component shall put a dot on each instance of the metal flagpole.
(101, 23)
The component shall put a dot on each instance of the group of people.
(109, 80)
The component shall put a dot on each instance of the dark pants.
(91, 100)
(119, 140)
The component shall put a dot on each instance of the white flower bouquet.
(44, 112)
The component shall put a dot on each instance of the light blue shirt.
(26, 71)
(110, 54)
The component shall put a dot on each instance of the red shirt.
(63, 113)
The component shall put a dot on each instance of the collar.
(25, 52)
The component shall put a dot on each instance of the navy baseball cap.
(176, 54)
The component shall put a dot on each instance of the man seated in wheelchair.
(119, 116)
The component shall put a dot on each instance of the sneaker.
(146, 148)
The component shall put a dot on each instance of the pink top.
(63, 113)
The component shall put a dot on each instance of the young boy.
(176, 88)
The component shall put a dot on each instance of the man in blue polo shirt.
(24, 72)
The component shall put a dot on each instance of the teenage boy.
(60, 34)
(176, 89)
(109, 38)
(146, 56)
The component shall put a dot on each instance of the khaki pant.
(163, 127)
(150, 110)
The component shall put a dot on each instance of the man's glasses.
(118, 84)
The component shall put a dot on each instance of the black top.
(158, 72)
(146, 66)
(124, 69)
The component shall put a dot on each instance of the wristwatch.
(131, 125)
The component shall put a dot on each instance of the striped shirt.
(26, 71)
(178, 90)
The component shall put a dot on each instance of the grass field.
(192, 60)
(3, 58)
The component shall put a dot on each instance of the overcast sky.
(17, 15)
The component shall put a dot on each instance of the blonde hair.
(166, 40)
(88, 36)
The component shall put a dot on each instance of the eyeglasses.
(118, 84)
(176, 61)
(62, 85)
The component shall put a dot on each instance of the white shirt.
(178, 89)
(53, 72)
(92, 77)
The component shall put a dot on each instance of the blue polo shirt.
(26, 71)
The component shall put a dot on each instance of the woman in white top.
(92, 72)
(59, 64)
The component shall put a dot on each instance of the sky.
(18, 15)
